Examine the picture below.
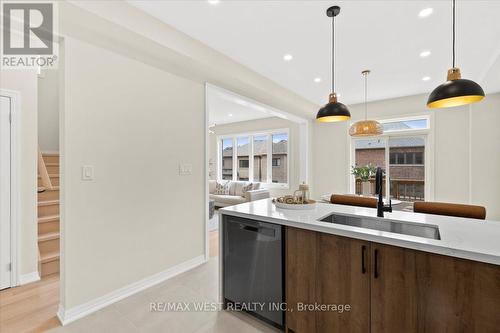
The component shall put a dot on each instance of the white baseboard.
(29, 278)
(80, 311)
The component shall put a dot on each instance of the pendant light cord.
(333, 54)
(453, 8)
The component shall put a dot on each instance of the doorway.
(249, 143)
(8, 189)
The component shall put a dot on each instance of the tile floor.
(198, 285)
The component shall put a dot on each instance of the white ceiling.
(226, 107)
(383, 36)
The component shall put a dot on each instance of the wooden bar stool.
(449, 209)
(353, 200)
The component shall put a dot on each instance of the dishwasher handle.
(262, 230)
(249, 228)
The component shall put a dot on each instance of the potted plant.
(364, 173)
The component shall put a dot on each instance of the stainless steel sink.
(426, 231)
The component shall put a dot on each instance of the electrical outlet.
(87, 172)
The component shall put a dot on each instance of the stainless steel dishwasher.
(253, 268)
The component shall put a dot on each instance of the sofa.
(236, 195)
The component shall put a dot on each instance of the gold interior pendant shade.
(366, 127)
(455, 91)
(333, 111)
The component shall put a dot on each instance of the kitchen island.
(446, 279)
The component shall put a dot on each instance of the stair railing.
(42, 171)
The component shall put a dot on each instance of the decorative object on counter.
(455, 91)
(303, 195)
(449, 209)
(299, 200)
(333, 111)
(366, 127)
(364, 173)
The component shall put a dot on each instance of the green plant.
(363, 172)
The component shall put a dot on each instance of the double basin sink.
(398, 227)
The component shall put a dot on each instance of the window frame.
(426, 134)
(269, 133)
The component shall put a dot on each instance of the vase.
(366, 188)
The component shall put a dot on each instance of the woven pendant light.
(366, 127)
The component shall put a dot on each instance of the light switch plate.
(185, 169)
(87, 172)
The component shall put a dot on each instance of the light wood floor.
(33, 307)
(30, 308)
(213, 243)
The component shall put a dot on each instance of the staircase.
(48, 214)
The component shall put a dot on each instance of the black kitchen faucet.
(381, 208)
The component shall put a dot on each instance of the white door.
(5, 192)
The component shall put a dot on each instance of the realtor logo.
(28, 34)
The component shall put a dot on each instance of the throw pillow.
(246, 188)
(222, 189)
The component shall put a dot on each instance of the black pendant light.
(333, 111)
(455, 91)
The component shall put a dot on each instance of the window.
(227, 159)
(243, 151)
(369, 152)
(407, 177)
(260, 158)
(280, 153)
(400, 152)
(251, 156)
(411, 124)
(410, 158)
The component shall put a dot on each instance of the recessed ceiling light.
(426, 78)
(425, 12)
(230, 115)
(213, 2)
(425, 54)
(317, 79)
(287, 57)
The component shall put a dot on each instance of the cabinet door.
(457, 295)
(343, 278)
(300, 279)
(393, 290)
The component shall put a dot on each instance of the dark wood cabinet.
(329, 270)
(457, 295)
(343, 278)
(301, 260)
(393, 295)
(389, 288)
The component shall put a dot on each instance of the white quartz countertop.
(460, 237)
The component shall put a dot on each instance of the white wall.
(485, 154)
(134, 109)
(25, 82)
(466, 150)
(138, 217)
(262, 125)
(48, 110)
